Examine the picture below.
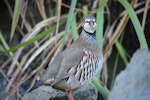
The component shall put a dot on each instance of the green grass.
(69, 21)
(32, 40)
(15, 17)
(136, 24)
(69, 25)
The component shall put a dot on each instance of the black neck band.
(91, 34)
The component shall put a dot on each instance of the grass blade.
(74, 28)
(36, 38)
(85, 11)
(69, 21)
(15, 17)
(100, 23)
(122, 52)
(136, 24)
(5, 43)
(114, 71)
(100, 89)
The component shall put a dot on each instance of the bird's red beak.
(91, 23)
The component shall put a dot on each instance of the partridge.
(76, 64)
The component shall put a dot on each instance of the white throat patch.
(89, 28)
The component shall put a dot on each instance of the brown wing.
(88, 66)
(72, 68)
(58, 68)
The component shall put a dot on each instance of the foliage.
(43, 39)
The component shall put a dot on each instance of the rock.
(134, 82)
(86, 92)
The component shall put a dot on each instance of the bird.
(77, 64)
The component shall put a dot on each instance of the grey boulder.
(134, 82)
(86, 92)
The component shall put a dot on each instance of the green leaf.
(85, 11)
(114, 71)
(4, 43)
(136, 24)
(15, 17)
(36, 38)
(100, 23)
(121, 52)
(74, 28)
(99, 87)
(69, 21)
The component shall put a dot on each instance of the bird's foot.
(70, 95)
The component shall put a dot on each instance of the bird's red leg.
(70, 95)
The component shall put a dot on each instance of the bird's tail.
(36, 85)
